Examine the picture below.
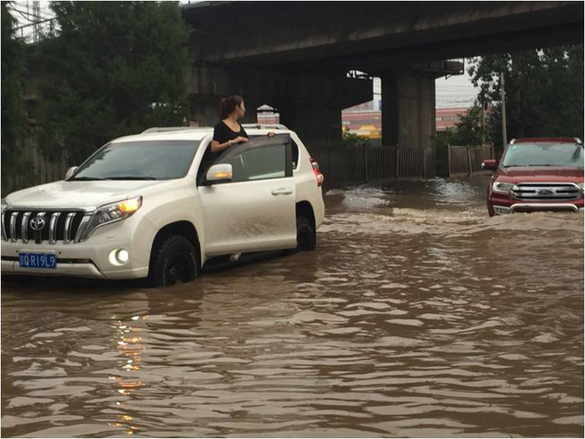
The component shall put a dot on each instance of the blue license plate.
(38, 260)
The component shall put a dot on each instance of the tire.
(174, 260)
(306, 236)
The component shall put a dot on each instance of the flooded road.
(417, 316)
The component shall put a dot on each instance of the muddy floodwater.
(418, 315)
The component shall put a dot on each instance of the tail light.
(320, 177)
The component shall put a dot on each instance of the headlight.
(501, 187)
(4, 206)
(111, 213)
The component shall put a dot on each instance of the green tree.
(351, 140)
(115, 68)
(544, 92)
(13, 107)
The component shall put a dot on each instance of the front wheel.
(174, 260)
(306, 236)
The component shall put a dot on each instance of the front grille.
(54, 225)
(546, 192)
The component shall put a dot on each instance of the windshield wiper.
(131, 177)
(524, 166)
(85, 179)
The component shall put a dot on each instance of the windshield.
(546, 154)
(145, 160)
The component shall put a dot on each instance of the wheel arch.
(304, 208)
(184, 228)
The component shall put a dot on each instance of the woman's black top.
(221, 133)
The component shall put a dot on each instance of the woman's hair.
(228, 105)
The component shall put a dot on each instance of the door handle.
(282, 191)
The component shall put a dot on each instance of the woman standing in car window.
(228, 131)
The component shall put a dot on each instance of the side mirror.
(490, 164)
(221, 173)
(70, 172)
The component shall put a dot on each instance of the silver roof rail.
(275, 126)
(170, 129)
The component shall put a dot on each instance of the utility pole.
(482, 124)
(503, 95)
(36, 19)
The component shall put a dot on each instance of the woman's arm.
(217, 147)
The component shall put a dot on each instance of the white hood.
(77, 194)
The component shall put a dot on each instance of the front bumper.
(502, 204)
(90, 258)
(536, 207)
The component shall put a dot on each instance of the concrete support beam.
(309, 103)
(408, 112)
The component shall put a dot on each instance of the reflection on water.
(417, 316)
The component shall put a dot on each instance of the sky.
(451, 92)
(455, 91)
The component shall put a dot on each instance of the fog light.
(501, 210)
(119, 257)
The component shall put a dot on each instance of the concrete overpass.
(296, 56)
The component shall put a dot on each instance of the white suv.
(146, 206)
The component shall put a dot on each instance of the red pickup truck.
(537, 174)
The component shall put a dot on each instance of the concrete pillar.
(317, 125)
(408, 112)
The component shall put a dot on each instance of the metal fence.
(339, 165)
(364, 164)
(466, 160)
(36, 169)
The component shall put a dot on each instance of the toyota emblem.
(37, 223)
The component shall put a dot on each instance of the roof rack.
(170, 129)
(276, 126)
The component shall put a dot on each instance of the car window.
(294, 150)
(295, 154)
(259, 159)
(152, 160)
